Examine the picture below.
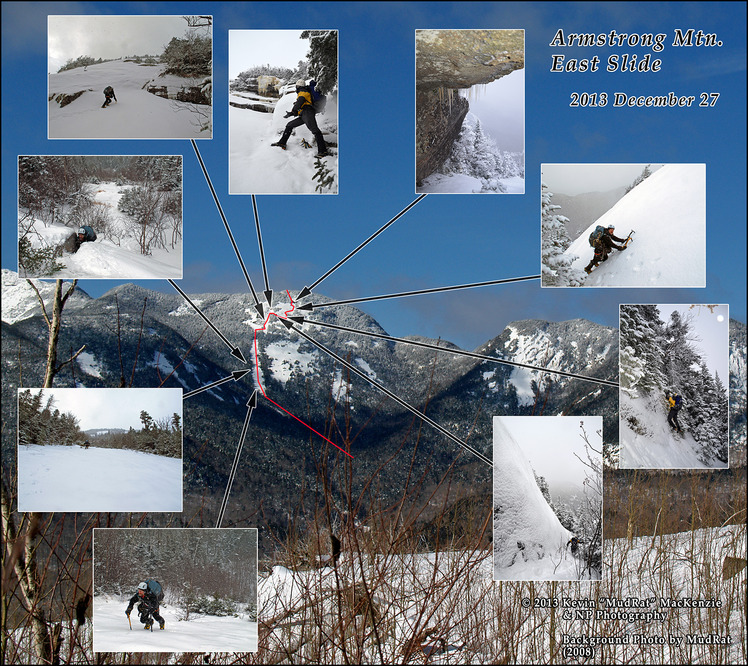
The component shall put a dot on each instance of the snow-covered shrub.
(195, 601)
(324, 177)
(144, 207)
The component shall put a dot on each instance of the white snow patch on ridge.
(285, 359)
(88, 364)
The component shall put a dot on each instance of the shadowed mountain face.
(163, 342)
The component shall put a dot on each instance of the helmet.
(143, 586)
(300, 83)
(82, 231)
(611, 226)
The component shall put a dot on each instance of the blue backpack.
(678, 401)
(319, 101)
(155, 588)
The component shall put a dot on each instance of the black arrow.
(389, 393)
(258, 305)
(251, 404)
(460, 352)
(308, 290)
(235, 376)
(268, 291)
(235, 351)
(312, 306)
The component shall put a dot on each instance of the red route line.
(257, 366)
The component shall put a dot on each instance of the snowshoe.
(279, 144)
(161, 625)
(147, 626)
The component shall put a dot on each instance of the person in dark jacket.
(86, 235)
(674, 402)
(603, 247)
(147, 607)
(108, 97)
(303, 112)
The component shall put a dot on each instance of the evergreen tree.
(555, 265)
(642, 357)
(323, 58)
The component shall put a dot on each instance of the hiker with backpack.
(602, 239)
(86, 234)
(674, 402)
(148, 597)
(304, 112)
(108, 97)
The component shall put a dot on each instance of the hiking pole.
(129, 620)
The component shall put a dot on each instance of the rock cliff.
(446, 61)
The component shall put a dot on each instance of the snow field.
(71, 478)
(137, 114)
(447, 604)
(200, 633)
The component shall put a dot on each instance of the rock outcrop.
(446, 61)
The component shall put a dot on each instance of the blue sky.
(445, 239)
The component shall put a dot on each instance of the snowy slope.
(256, 167)
(668, 213)
(648, 442)
(529, 541)
(117, 256)
(71, 478)
(137, 114)
(201, 633)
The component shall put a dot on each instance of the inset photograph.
(283, 111)
(175, 590)
(547, 498)
(623, 225)
(100, 449)
(130, 77)
(470, 111)
(100, 216)
(674, 396)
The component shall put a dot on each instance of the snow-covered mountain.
(667, 212)
(175, 349)
(19, 300)
(76, 95)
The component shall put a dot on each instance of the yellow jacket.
(304, 99)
